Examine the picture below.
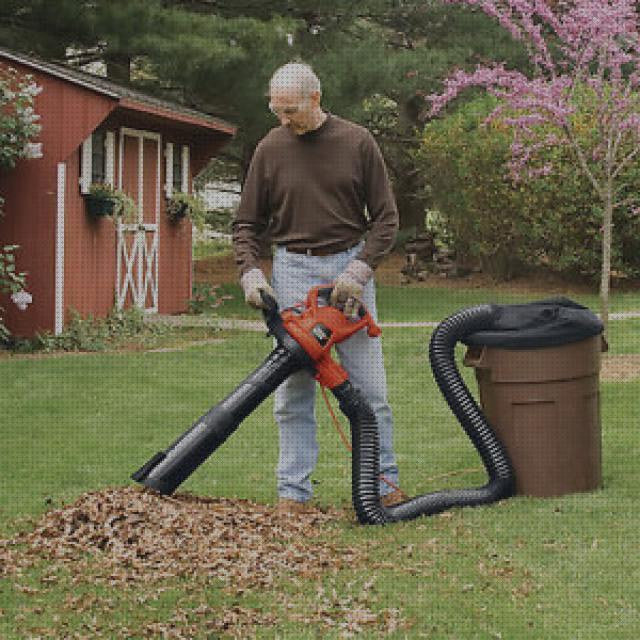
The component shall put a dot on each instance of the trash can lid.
(544, 323)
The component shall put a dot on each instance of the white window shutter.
(168, 156)
(85, 166)
(185, 169)
(110, 156)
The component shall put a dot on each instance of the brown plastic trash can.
(544, 405)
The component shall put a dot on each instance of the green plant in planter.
(105, 200)
(181, 205)
(100, 200)
(126, 208)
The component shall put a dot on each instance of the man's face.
(294, 110)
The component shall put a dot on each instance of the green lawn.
(210, 248)
(524, 569)
(416, 304)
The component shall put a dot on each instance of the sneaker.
(288, 507)
(395, 497)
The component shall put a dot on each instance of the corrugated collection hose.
(365, 439)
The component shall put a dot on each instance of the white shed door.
(139, 177)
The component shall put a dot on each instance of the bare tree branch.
(583, 162)
(625, 161)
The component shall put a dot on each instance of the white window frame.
(185, 155)
(185, 168)
(110, 158)
(85, 161)
(85, 165)
(168, 163)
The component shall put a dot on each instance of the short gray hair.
(295, 75)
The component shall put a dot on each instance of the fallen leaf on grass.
(350, 611)
(29, 591)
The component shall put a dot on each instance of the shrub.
(86, 333)
(463, 164)
(11, 281)
(18, 122)
(18, 127)
(206, 298)
(552, 222)
(219, 219)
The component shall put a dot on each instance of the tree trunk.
(409, 181)
(118, 68)
(411, 208)
(606, 257)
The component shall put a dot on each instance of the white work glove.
(349, 287)
(252, 283)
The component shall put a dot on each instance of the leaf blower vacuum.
(304, 338)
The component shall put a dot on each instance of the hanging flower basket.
(105, 200)
(99, 205)
(180, 210)
(182, 205)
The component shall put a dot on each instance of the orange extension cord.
(346, 442)
(347, 445)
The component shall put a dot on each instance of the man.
(318, 183)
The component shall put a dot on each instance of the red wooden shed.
(96, 131)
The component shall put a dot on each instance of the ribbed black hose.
(365, 438)
(365, 455)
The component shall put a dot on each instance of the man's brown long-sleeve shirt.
(310, 192)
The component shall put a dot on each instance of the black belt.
(322, 251)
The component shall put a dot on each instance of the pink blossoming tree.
(585, 48)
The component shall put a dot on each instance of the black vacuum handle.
(270, 303)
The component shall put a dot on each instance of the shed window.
(98, 157)
(177, 170)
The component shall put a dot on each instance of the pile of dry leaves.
(148, 537)
(130, 537)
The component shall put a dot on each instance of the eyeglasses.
(287, 111)
(283, 111)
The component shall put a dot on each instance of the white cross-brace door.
(139, 177)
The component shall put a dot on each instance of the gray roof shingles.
(106, 87)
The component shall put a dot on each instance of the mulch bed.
(222, 269)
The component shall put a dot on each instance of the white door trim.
(145, 258)
(59, 268)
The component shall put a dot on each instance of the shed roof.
(127, 97)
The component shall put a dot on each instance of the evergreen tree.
(43, 27)
(375, 58)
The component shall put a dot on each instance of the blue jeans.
(293, 275)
